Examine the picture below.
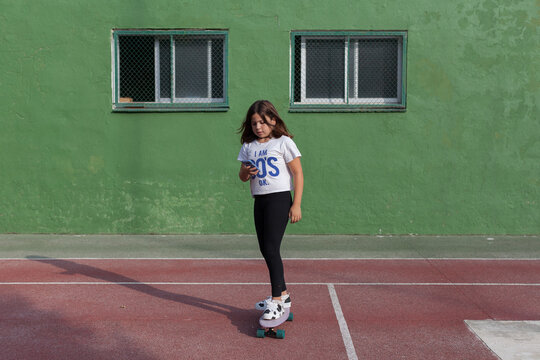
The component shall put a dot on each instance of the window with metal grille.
(169, 70)
(348, 71)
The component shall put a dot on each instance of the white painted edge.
(472, 330)
(345, 334)
(6, 283)
(508, 339)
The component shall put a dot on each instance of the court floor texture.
(192, 297)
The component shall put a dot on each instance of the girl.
(270, 161)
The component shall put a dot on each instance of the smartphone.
(251, 163)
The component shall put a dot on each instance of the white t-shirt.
(271, 158)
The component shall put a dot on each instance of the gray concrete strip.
(509, 340)
(293, 246)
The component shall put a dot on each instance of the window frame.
(347, 103)
(170, 103)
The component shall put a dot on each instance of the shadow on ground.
(243, 319)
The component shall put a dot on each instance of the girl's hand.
(295, 214)
(246, 172)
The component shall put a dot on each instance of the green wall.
(463, 159)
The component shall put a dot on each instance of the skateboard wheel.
(280, 334)
(260, 333)
(290, 318)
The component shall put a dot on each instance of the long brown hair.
(265, 110)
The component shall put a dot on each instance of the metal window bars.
(170, 70)
(348, 71)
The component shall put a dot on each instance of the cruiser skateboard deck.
(269, 327)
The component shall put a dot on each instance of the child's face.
(263, 129)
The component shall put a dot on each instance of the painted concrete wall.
(463, 159)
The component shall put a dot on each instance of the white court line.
(252, 283)
(435, 284)
(285, 258)
(347, 340)
(125, 283)
(345, 334)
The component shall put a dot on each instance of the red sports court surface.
(203, 309)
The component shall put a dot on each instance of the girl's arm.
(245, 172)
(295, 214)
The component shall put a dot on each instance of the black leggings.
(271, 213)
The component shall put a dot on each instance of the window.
(348, 71)
(169, 70)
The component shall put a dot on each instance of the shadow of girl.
(244, 320)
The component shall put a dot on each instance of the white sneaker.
(262, 305)
(274, 310)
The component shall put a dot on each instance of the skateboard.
(269, 327)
